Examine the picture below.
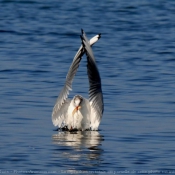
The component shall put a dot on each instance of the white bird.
(81, 113)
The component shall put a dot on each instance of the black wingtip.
(99, 36)
(81, 38)
(83, 44)
(82, 31)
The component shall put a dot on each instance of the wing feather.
(60, 116)
(95, 90)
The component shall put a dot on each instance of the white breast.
(81, 119)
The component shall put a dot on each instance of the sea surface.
(136, 60)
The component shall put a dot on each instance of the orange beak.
(75, 110)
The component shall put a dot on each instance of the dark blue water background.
(136, 60)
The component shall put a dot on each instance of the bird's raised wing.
(95, 90)
(58, 114)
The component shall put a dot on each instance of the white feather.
(67, 112)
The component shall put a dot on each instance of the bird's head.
(77, 100)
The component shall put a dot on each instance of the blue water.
(136, 60)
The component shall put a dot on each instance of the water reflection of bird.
(74, 145)
(81, 113)
(78, 139)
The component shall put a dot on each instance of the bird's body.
(79, 117)
(80, 113)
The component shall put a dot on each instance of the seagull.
(81, 113)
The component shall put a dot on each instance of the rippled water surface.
(136, 60)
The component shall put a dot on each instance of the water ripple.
(135, 57)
